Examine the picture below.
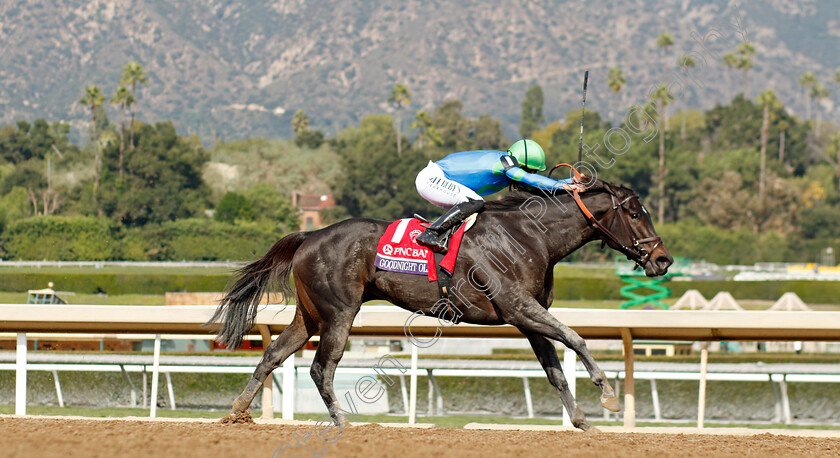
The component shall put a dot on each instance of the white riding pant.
(433, 186)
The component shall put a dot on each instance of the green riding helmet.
(529, 153)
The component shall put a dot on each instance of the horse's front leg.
(547, 356)
(530, 317)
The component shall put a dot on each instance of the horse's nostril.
(664, 260)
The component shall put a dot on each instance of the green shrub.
(202, 239)
(115, 284)
(59, 238)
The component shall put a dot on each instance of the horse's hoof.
(237, 418)
(593, 430)
(610, 403)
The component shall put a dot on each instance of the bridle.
(636, 252)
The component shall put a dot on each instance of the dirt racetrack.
(34, 436)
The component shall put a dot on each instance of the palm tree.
(123, 99)
(769, 101)
(744, 64)
(132, 74)
(300, 122)
(664, 41)
(685, 63)
(730, 62)
(399, 97)
(746, 50)
(819, 92)
(663, 97)
(808, 81)
(615, 79)
(93, 98)
(783, 126)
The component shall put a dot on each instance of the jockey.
(457, 182)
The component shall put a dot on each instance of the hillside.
(243, 68)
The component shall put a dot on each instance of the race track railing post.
(267, 391)
(654, 397)
(701, 402)
(412, 402)
(629, 384)
(58, 389)
(155, 378)
(20, 375)
(528, 403)
(569, 360)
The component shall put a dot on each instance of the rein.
(636, 253)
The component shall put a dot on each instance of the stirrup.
(437, 244)
(422, 220)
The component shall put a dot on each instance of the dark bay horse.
(512, 248)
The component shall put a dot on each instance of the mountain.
(243, 68)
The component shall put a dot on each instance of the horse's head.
(626, 227)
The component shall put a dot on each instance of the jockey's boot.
(453, 217)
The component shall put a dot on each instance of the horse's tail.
(238, 309)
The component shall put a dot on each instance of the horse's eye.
(634, 215)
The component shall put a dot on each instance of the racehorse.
(516, 240)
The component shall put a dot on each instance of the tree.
(665, 41)
(615, 80)
(399, 97)
(808, 81)
(303, 135)
(300, 122)
(162, 181)
(132, 74)
(376, 183)
(685, 63)
(269, 204)
(532, 111)
(233, 207)
(730, 62)
(123, 99)
(746, 50)
(662, 97)
(768, 100)
(426, 132)
(745, 64)
(93, 99)
(783, 126)
(818, 93)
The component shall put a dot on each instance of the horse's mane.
(520, 194)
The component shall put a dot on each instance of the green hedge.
(208, 240)
(115, 284)
(570, 289)
(58, 238)
(812, 292)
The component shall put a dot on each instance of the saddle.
(398, 251)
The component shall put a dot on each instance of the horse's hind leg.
(330, 350)
(547, 356)
(289, 341)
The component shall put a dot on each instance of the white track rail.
(626, 325)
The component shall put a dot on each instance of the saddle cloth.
(398, 251)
